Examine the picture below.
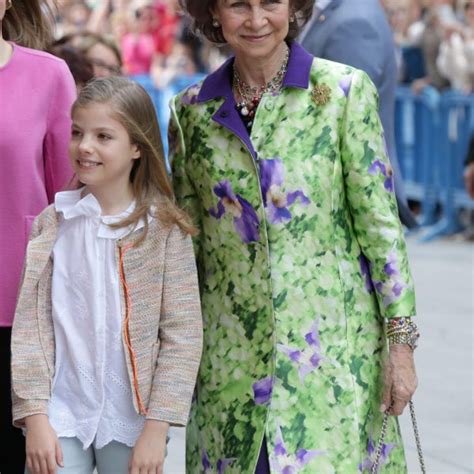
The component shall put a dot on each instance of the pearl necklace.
(251, 96)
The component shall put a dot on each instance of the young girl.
(107, 333)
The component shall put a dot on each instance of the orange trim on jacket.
(126, 330)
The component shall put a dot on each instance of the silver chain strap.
(378, 451)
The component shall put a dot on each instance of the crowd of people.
(134, 38)
(435, 42)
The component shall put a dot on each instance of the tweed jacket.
(162, 327)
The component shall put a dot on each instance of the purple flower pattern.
(309, 358)
(191, 95)
(246, 221)
(392, 289)
(345, 84)
(386, 171)
(262, 390)
(283, 462)
(276, 201)
(368, 462)
(220, 466)
(365, 270)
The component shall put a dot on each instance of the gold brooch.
(321, 94)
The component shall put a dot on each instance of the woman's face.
(146, 20)
(103, 60)
(253, 28)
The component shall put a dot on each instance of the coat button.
(224, 113)
(322, 18)
(269, 105)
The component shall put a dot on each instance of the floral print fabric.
(300, 256)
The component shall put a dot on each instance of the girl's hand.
(148, 455)
(43, 451)
(400, 379)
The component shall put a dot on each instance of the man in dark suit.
(356, 32)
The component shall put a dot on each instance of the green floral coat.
(301, 255)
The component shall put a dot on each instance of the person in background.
(439, 19)
(102, 52)
(110, 275)
(280, 159)
(110, 18)
(169, 21)
(358, 34)
(36, 94)
(80, 67)
(138, 45)
(455, 61)
(73, 17)
(182, 66)
(404, 17)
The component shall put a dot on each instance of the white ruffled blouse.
(91, 395)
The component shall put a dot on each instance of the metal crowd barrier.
(432, 137)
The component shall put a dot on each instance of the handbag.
(378, 451)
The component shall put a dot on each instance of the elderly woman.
(280, 158)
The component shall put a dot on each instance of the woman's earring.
(215, 23)
(292, 19)
(9, 5)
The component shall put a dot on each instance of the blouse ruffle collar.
(71, 204)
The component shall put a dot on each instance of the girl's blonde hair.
(132, 107)
(29, 23)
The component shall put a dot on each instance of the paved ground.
(444, 278)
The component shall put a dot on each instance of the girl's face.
(254, 28)
(100, 149)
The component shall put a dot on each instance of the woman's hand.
(400, 379)
(148, 455)
(43, 451)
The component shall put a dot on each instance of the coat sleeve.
(184, 189)
(370, 194)
(180, 334)
(26, 350)
(57, 167)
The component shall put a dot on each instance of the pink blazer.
(36, 94)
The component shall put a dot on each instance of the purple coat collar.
(219, 86)
(219, 83)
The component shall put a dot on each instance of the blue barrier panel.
(416, 131)
(432, 134)
(457, 125)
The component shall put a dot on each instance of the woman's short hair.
(200, 13)
(87, 40)
(81, 69)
